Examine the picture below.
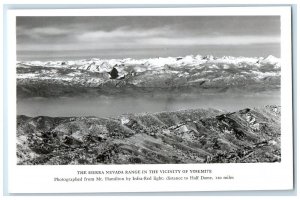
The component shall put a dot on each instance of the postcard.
(150, 100)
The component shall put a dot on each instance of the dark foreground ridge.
(190, 136)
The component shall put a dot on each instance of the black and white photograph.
(117, 90)
(103, 100)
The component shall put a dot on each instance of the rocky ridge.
(189, 136)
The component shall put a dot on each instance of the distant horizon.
(135, 54)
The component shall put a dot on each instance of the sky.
(65, 38)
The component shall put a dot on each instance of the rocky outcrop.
(190, 136)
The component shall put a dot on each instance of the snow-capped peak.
(271, 59)
(105, 65)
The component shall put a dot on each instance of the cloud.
(122, 33)
(211, 40)
(42, 33)
(49, 31)
(59, 39)
(168, 37)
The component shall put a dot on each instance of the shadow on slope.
(189, 136)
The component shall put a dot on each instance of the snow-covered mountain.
(170, 72)
(102, 65)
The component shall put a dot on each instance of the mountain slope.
(190, 136)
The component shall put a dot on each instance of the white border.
(205, 11)
(255, 176)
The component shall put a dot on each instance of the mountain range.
(189, 73)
